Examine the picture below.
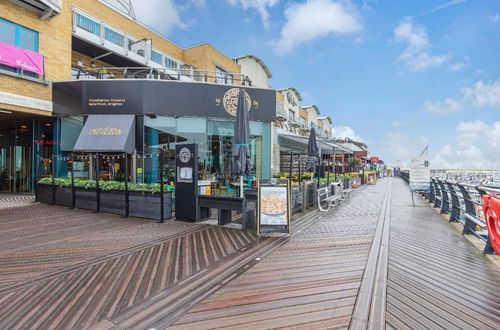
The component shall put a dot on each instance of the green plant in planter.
(106, 185)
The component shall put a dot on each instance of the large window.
(19, 36)
(215, 142)
(222, 76)
(170, 63)
(156, 57)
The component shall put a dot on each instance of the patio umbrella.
(312, 151)
(241, 153)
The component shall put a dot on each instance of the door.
(6, 170)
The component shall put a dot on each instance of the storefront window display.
(215, 140)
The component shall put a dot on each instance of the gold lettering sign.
(105, 131)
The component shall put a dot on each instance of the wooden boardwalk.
(376, 262)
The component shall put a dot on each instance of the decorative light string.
(101, 156)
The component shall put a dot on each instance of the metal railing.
(161, 74)
(463, 203)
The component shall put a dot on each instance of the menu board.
(273, 206)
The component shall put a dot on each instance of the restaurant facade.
(163, 114)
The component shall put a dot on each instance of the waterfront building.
(85, 47)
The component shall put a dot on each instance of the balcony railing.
(293, 121)
(185, 74)
(280, 112)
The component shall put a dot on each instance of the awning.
(298, 144)
(107, 133)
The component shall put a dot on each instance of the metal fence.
(463, 203)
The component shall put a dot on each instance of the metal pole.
(162, 217)
(53, 179)
(73, 192)
(127, 205)
(300, 173)
(291, 165)
(36, 174)
(97, 190)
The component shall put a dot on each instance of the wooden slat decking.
(311, 281)
(70, 269)
(375, 262)
(436, 279)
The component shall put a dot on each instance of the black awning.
(107, 133)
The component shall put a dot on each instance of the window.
(88, 24)
(156, 57)
(19, 36)
(220, 75)
(114, 37)
(170, 63)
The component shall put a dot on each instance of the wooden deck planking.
(436, 279)
(312, 280)
(97, 266)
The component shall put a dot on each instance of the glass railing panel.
(88, 24)
(114, 37)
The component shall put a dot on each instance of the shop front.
(164, 114)
(23, 138)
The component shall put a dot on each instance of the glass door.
(6, 184)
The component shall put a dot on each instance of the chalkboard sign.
(274, 208)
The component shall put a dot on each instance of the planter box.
(86, 199)
(63, 195)
(113, 201)
(141, 204)
(147, 205)
(44, 193)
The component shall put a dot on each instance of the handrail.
(463, 206)
(163, 73)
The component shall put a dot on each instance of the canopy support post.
(97, 190)
(127, 201)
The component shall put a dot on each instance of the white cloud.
(399, 148)
(315, 19)
(480, 95)
(397, 123)
(495, 18)
(447, 4)
(477, 146)
(161, 15)
(483, 95)
(346, 132)
(442, 108)
(460, 65)
(261, 6)
(417, 42)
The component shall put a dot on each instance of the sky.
(398, 75)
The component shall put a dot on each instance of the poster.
(274, 205)
(420, 172)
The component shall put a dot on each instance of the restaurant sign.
(274, 206)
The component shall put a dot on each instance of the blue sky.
(397, 74)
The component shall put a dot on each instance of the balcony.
(293, 121)
(183, 74)
(280, 112)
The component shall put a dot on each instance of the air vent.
(44, 8)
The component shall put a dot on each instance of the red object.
(21, 58)
(374, 160)
(491, 209)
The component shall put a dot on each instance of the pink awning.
(21, 58)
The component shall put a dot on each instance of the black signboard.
(160, 97)
(186, 182)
